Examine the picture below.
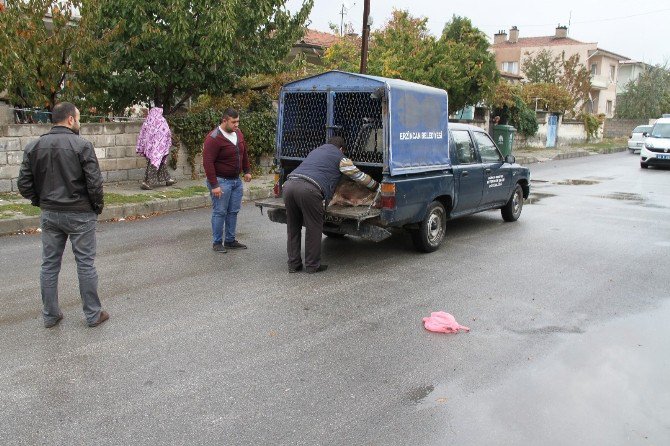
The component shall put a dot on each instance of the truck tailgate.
(359, 213)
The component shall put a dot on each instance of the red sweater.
(221, 158)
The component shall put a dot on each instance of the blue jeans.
(79, 227)
(225, 209)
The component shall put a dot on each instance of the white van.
(656, 149)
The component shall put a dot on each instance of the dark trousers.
(79, 227)
(153, 176)
(304, 206)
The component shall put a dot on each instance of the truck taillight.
(276, 189)
(388, 196)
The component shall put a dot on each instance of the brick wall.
(114, 145)
(619, 128)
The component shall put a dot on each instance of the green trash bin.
(503, 135)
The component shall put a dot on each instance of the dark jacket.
(323, 166)
(60, 172)
(222, 158)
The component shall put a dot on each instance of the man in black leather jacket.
(61, 175)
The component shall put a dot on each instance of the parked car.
(656, 149)
(636, 138)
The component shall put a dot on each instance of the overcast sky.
(638, 29)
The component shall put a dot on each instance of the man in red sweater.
(224, 157)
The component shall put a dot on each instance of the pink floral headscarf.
(155, 138)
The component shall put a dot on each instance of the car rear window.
(641, 128)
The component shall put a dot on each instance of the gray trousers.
(304, 206)
(79, 227)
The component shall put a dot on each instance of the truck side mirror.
(509, 159)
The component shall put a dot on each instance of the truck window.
(465, 149)
(487, 149)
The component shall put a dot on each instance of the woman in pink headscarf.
(154, 142)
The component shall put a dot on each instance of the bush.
(591, 124)
(258, 123)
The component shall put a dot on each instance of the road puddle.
(625, 196)
(572, 182)
(536, 197)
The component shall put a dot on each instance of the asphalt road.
(568, 310)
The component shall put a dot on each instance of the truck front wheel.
(431, 230)
(512, 209)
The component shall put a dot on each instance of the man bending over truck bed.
(307, 191)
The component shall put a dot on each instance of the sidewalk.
(260, 187)
(257, 188)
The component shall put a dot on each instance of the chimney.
(561, 32)
(500, 37)
(513, 34)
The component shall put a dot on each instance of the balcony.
(599, 82)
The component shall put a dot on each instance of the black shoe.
(317, 270)
(296, 269)
(235, 245)
(218, 247)
(145, 186)
(54, 323)
(102, 318)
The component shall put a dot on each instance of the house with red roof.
(313, 45)
(511, 51)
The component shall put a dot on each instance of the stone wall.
(114, 145)
(620, 128)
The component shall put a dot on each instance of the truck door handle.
(487, 170)
(465, 173)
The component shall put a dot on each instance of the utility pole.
(366, 37)
(342, 13)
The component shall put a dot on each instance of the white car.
(656, 149)
(636, 138)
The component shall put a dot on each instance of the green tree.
(548, 97)
(648, 96)
(37, 39)
(576, 80)
(344, 55)
(541, 67)
(459, 61)
(169, 51)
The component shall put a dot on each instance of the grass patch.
(10, 196)
(192, 191)
(10, 210)
(610, 143)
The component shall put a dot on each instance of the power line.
(600, 20)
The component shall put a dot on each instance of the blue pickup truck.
(430, 170)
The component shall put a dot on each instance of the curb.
(524, 160)
(24, 224)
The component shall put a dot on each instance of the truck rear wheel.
(512, 209)
(432, 229)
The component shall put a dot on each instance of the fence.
(114, 145)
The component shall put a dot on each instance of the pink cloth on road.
(441, 322)
(155, 138)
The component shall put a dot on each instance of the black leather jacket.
(60, 172)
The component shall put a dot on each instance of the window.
(487, 150)
(608, 107)
(464, 148)
(510, 67)
(612, 73)
(594, 69)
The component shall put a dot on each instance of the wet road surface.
(567, 307)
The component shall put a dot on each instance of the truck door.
(468, 172)
(497, 174)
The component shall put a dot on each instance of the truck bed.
(358, 213)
